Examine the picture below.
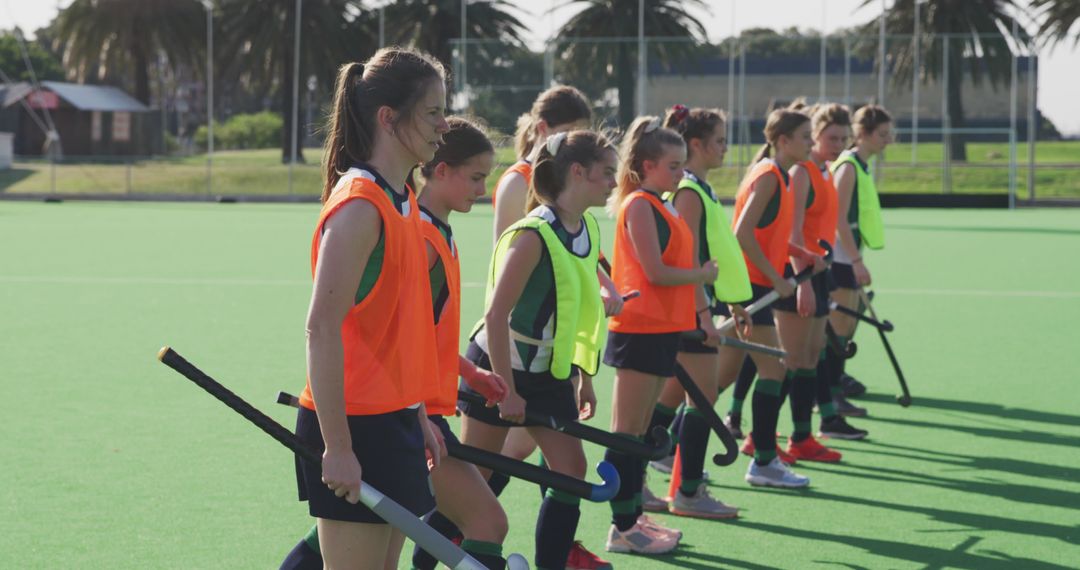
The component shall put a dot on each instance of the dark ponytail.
(394, 77)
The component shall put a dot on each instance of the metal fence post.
(1033, 77)
(946, 134)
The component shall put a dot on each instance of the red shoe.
(748, 449)
(810, 450)
(581, 559)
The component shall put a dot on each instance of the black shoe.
(733, 423)
(852, 388)
(838, 428)
(846, 408)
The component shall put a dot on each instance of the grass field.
(255, 172)
(111, 460)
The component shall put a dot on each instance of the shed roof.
(82, 97)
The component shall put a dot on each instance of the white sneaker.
(775, 474)
(650, 502)
(656, 528)
(701, 505)
(637, 540)
(663, 465)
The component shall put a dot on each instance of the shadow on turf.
(1024, 435)
(974, 521)
(1025, 494)
(928, 555)
(1003, 464)
(995, 410)
(986, 229)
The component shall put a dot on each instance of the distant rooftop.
(82, 97)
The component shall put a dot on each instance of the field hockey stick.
(846, 350)
(703, 405)
(903, 399)
(880, 325)
(699, 336)
(419, 532)
(521, 470)
(773, 296)
(658, 450)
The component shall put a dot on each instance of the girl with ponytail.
(543, 322)
(764, 214)
(370, 311)
(713, 370)
(859, 223)
(653, 254)
(453, 180)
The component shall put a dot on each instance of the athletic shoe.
(810, 450)
(852, 388)
(838, 428)
(650, 502)
(637, 540)
(663, 465)
(846, 408)
(733, 423)
(581, 559)
(748, 449)
(656, 528)
(701, 505)
(775, 474)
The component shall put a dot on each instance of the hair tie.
(679, 112)
(554, 142)
(652, 125)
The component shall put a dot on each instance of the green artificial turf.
(111, 460)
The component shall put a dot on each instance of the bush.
(256, 130)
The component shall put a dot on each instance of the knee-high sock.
(421, 559)
(664, 417)
(802, 402)
(555, 529)
(766, 407)
(622, 504)
(487, 553)
(676, 427)
(823, 391)
(693, 443)
(742, 385)
(498, 482)
(305, 555)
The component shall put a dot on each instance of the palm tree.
(119, 40)
(980, 36)
(616, 59)
(1058, 16)
(258, 46)
(430, 25)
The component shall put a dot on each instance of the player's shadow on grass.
(927, 555)
(1026, 494)
(995, 410)
(975, 463)
(974, 521)
(688, 556)
(1024, 435)
(986, 229)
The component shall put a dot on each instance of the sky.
(1059, 82)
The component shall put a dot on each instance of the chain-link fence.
(965, 109)
(965, 106)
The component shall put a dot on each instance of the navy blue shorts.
(444, 428)
(696, 346)
(542, 392)
(647, 353)
(844, 276)
(821, 284)
(390, 448)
